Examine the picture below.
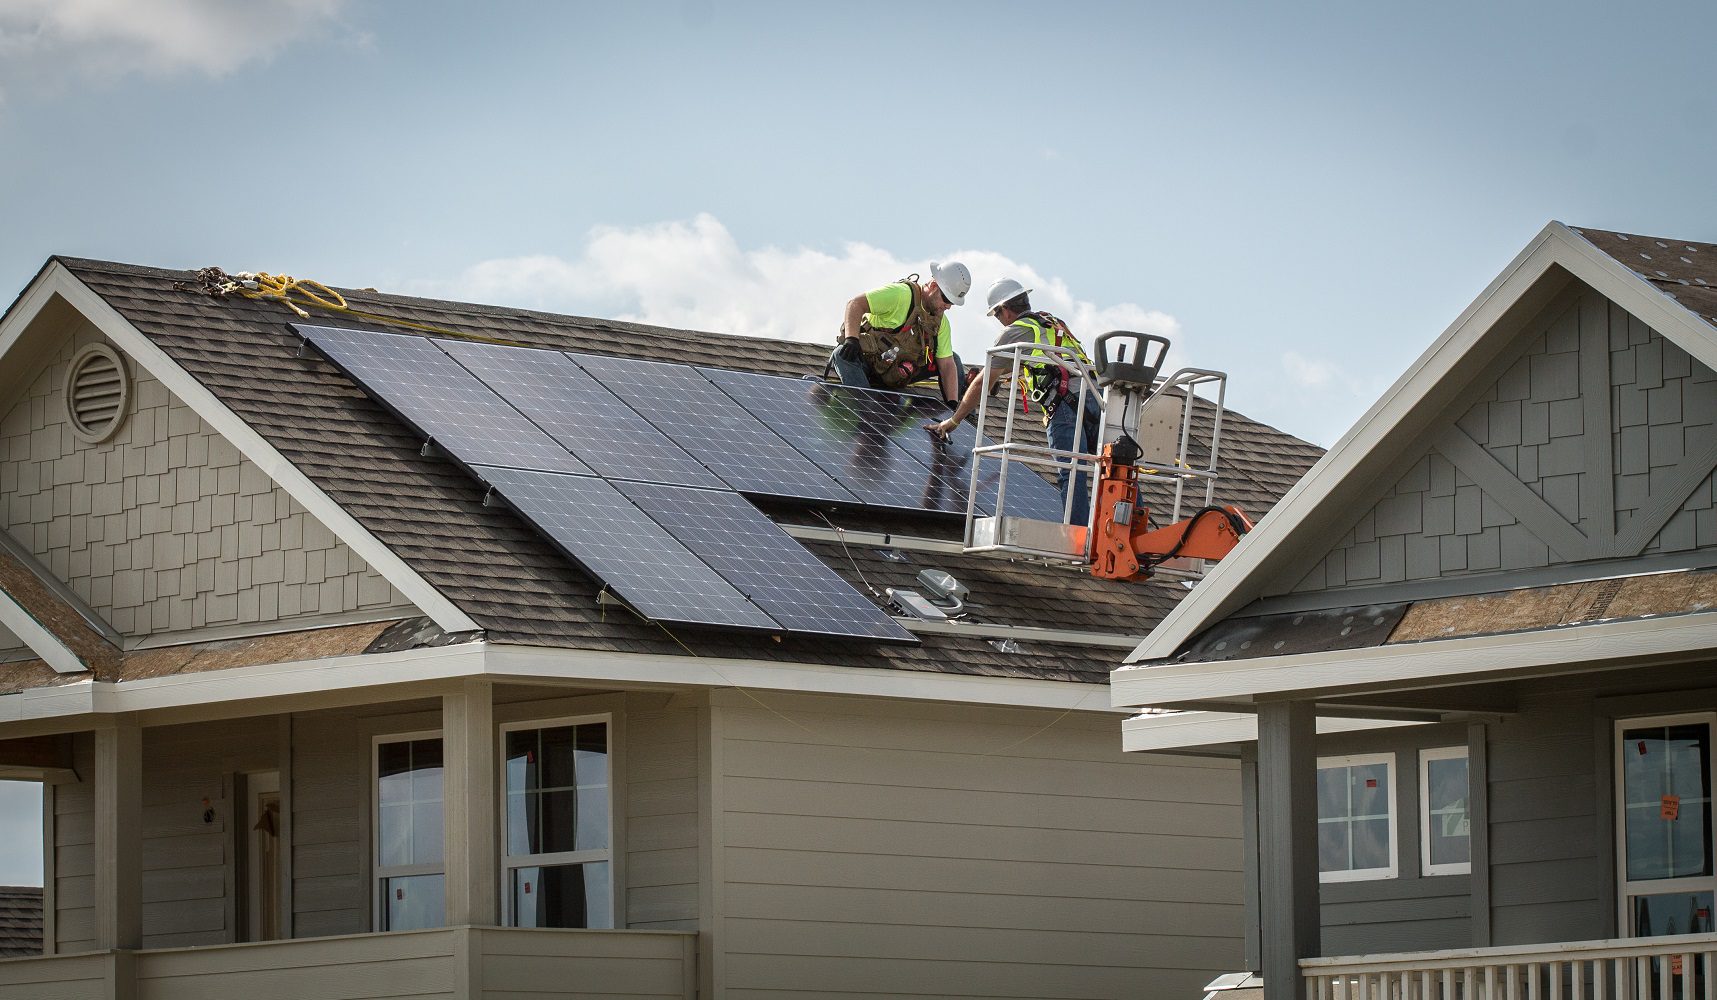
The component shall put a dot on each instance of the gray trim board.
(1534, 513)
(1649, 520)
(1290, 917)
(1482, 583)
(1478, 812)
(1597, 492)
(1249, 850)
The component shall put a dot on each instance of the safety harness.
(1046, 383)
(902, 355)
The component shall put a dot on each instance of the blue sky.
(1304, 195)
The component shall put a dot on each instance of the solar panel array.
(629, 467)
(447, 404)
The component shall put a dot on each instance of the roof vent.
(97, 391)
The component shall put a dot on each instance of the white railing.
(1675, 967)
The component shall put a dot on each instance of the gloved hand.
(951, 404)
(850, 349)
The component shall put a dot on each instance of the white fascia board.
(1436, 663)
(1183, 730)
(35, 635)
(1555, 245)
(769, 675)
(533, 663)
(56, 279)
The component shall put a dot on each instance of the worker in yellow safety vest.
(1048, 385)
(898, 334)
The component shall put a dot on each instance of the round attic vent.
(97, 391)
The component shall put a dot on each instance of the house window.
(1445, 824)
(557, 868)
(1663, 781)
(1356, 818)
(410, 873)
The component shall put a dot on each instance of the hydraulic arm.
(1124, 543)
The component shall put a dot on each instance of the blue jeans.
(854, 373)
(1062, 425)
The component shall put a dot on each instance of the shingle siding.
(1538, 424)
(165, 526)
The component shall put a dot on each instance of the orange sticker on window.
(1670, 807)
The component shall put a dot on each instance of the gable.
(162, 527)
(1322, 512)
(1593, 440)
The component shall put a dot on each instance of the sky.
(1301, 195)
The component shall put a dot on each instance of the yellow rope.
(282, 287)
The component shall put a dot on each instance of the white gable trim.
(35, 635)
(1233, 582)
(365, 677)
(56, 279)
(1184, 730)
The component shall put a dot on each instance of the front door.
(262, 855)
(1664, 834)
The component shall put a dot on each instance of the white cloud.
(113, 38)
(695, 275)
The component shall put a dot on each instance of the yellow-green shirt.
(889, 306)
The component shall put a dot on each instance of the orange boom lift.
(1124, 542)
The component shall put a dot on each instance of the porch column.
(119, 834)
(469, 808)
(1287, 844)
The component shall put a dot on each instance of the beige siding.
(330, 799)
(401, 965)
(661, 763)
(164, 527)
(462, 962)
(908, 850)
(72, 977)
(74, 853)
(187, 860)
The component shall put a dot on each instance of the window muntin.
(1445, 822)
(1356, 818)
(557, 824)
(410, 868)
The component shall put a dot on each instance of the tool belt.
(898, 357)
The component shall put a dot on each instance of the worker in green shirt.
(897, 334)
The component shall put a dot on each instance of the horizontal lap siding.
(78, 977)
(187, 867)
(330, 774)
(1546, 879)
(661, 764)
(74, 853)
(415, 965)
(903, 849)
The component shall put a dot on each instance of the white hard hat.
(1002, 291)
(954, 280)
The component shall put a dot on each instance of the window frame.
(1387, 759)
(509, 863)
(378, 871)
(1626, 889)
(1426, 756)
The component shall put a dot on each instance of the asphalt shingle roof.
(1682, 270)
(500, 573)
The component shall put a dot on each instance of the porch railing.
(1677, 967)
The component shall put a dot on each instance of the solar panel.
(767, 565)
(705, 422)
(853, 445)
(587, 419)
(439, 399)
(949, 463)
(599, 529)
